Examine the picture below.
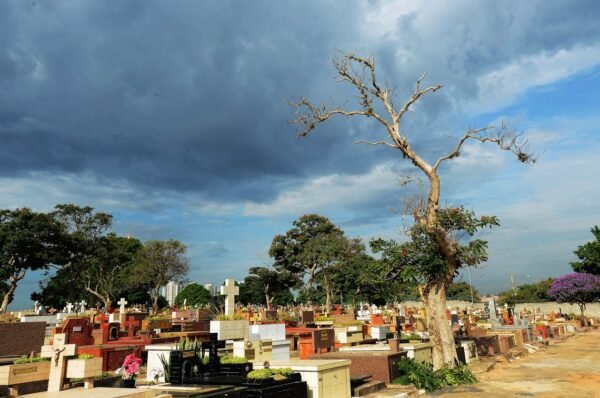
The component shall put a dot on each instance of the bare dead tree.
(360, 73)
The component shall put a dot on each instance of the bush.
(287, 372)
(323, 319)
(455, 376)
(423, 376)
(223, 317)
(260, 374)
(29, 360)
(263, 374)
(419, 374)
(227, 360)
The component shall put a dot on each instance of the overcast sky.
(173, 117)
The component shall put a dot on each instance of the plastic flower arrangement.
(156, 373)
(130, 368)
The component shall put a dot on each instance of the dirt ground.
(569, 368)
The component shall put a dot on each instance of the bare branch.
(417, 93)
(377, 143)
(505, 139)
(317, 114)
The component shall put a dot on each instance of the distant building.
(214, 290)
(170, 291)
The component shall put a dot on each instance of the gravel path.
(569, 368)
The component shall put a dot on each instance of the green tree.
(527, 293)
(378, 102)
(314, 248)
(270, 283)
(66, 285)
(589, 254)
(158, 263)
(462, 291)
(28, 241)
(105, 268)
(420, 262)
(194, 295)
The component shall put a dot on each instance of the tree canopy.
(157, 263)
(28, 241)
(99, 265)
(589, 254)
(527, 293)
(315, 249)
(194, 295)
(577, 288)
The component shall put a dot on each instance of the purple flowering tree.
(577, 288)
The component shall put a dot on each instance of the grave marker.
(230, 290)
(58, 352)
(121, 303)
(323, 339)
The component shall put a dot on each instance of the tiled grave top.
(307, 364)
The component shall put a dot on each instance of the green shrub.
(419, 374)
(223, 317)
(287, 372)
(85, 356)
(352, 323)
(323, 319)
(423, 376)
(29, 360)
(227, 360)
(455, 376)
(260, 374)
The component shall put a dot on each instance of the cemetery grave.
(345, 352)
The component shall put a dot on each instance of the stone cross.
(82, 305)
(58, 366)
(69, 308)
(121, 303)
(230, 290)
(493, 316)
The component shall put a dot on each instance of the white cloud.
(329, 192)
(502, 86)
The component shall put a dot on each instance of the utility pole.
(512, 284)
(470, 285)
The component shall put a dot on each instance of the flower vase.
(128, 383)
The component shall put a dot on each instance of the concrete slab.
(96, 393)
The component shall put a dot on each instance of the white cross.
(230, 290)
(69, 308)
(82, 304)
(122, 303)
(57, 352)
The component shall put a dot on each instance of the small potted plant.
(235, 365)
(129, 371)
(156, 373)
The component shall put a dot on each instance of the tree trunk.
(269, 301)
(155, 295)
(8, 296)
(444, 350)
(107, 303)
(582, 309)
(327, 292)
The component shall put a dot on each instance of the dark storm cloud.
(190, 96)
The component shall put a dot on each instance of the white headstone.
(492, 308)
(69, 308)
(82, 305)
(57, 352)
(230, 290)
(121, 303)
